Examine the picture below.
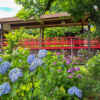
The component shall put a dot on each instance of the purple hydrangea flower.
(42, 53)
(36, 62)
(73, 69)
(77, 69)
(54, 63)
(14, 74)
(74, 90)
(73, 73)
(30, 58)
(70, 76)
(58, 53)
(4, 88)
(4, 67)
(79, 76)
(68, 61)
(69, 70)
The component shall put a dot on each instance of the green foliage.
(34, 32)
(77, 8)
(22, 88)
(91, 81)
(48, 82)
(51, 80)
(14, 37)
(31, 8)
(60, 31)
(93, 66)
(24, 14)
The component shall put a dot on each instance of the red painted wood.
(57, 43)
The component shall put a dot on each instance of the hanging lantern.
(95, 7)
(92, 27)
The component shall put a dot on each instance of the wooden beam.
(49, 25)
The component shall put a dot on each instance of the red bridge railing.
(57, 43)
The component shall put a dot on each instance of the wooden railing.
(57, 43)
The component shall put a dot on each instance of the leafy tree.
(77, 8)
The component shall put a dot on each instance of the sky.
(8, 8)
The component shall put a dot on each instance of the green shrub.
(51, 80)
(91, 80)
(22, 89)
(14, 37)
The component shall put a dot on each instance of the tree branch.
(49, 4)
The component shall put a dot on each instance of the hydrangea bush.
(14, 74)
(30, 58)
(15, 77)
(75, 91)
(4, 67)
(43, 76)
(4, 88)
(52, 81)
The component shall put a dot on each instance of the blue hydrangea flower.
(7, 88)
(36, 62)
(4, 88)
(14, 74)
(1, 59)
(4, 67)
(74, 90)
(62, 66)
(33, 67)
(42, 53)
(30, 58)
(78, 93)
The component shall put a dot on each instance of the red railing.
(58, 43)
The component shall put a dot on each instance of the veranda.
(68, 43)
(56, 43)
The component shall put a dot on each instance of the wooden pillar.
(89, 37)
(41, 36)
(42, 33)
(1, 35)
(72, 48)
